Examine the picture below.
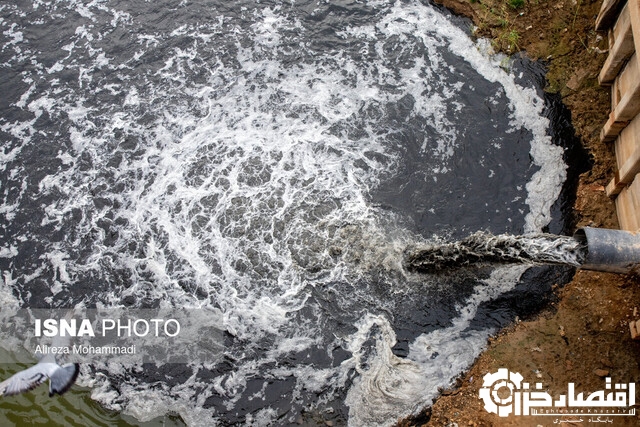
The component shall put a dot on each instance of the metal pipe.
(615, 251)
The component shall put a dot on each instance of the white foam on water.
(391, 387)
(227, 172)
(527, 107)
(145, 404)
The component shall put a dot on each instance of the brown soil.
(584, 336)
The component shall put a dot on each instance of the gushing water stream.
(482, 247)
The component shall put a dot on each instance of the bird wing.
(63, 378)
(28, 379)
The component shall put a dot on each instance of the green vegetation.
(516, 4)
(500, 16)
(511, 37)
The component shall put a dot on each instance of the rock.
(601, 372)
(576, 80)
(606, 362)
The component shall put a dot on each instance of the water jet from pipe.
(590, 248)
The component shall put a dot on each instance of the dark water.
(271, 160)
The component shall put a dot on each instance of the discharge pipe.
(615, 251)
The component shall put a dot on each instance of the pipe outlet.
(615, 251)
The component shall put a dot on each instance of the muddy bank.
(584, 335)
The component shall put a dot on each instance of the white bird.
(61, 378)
